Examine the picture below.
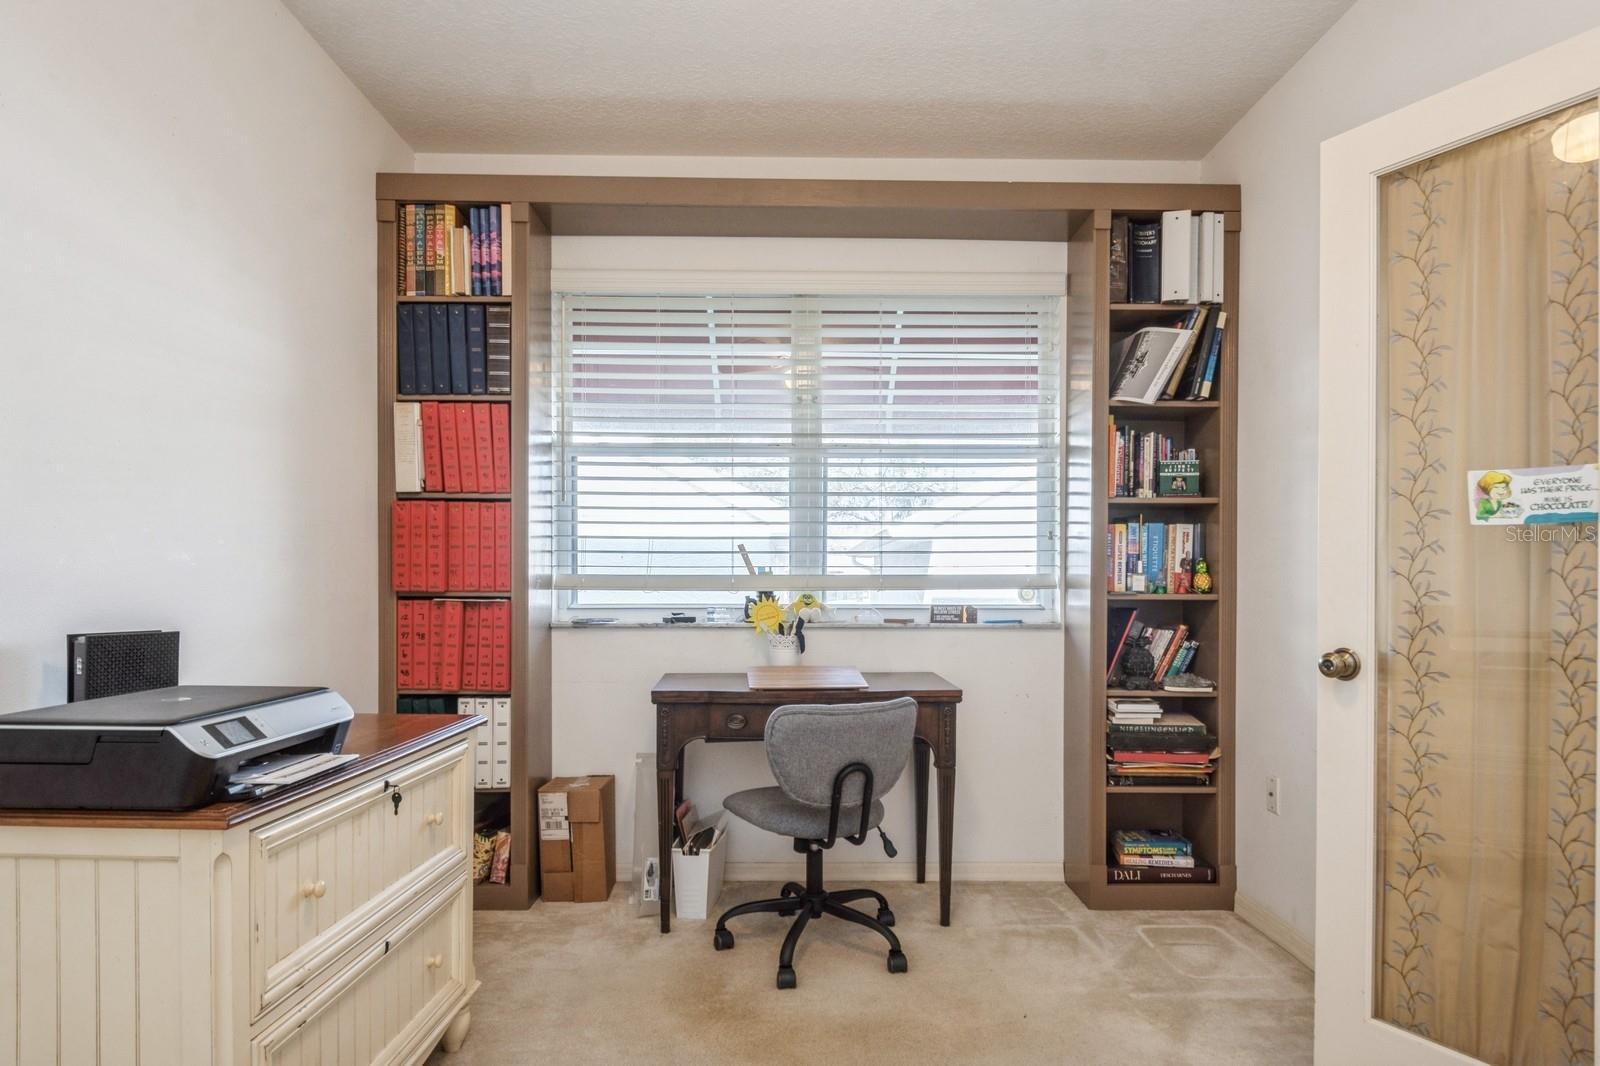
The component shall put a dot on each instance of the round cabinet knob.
(1340, 664)
(433, 962)
(737, 721)
(314, 889)
(436, 818)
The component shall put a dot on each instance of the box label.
(553, 823)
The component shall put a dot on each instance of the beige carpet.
(1024, 974)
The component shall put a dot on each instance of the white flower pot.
(783, 650)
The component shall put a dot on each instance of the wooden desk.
(722, 707)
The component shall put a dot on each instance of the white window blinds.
(850, 442)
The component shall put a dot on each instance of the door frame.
(1346, 877)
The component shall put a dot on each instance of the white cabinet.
(336, 927)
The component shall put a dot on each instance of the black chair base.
(808, 901)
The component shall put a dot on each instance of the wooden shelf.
(1181, 597)
(1162, 501)
(1151, 308)
(465, 496)
(454, 595)
(451, 397)
(446, 692)
(1155, 410)
(453, 299)
(1163, 790)
(1157, 693)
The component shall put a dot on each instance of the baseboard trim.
(1256, 915)
(894, 871)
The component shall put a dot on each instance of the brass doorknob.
(1341, 664)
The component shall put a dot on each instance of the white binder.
(500, 733)
(1180, 257)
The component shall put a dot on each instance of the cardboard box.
(578, 838)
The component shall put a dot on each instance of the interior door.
(1456, 715)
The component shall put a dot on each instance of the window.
(879, 450)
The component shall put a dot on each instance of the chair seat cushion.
(770, 809)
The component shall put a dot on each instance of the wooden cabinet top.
(380, 740)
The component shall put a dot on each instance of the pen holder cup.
(783, 650)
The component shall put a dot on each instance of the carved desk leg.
(946, 762)
(919, 769)
(668, 782)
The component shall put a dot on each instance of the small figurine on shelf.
(1201, 582)
(1138, 665)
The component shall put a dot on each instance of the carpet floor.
(1025, 974)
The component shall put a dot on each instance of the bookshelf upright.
(1203, 813)
(526, 244)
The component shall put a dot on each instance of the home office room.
(742, 533)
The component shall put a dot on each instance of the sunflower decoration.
(766, 614)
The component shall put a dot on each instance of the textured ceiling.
(1024, 79)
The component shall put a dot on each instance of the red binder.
(466, 447)
(449, 447)
(436, 642)
(455, 557)
(399, 547)
(469, 648)
(450, 678)
(432, 457)
(471, 567)
(500, 431)
(501, 656)
(502, 547)
(437, 547)
(486, 547)
(417, 524)
(403, 641)
(483, 441)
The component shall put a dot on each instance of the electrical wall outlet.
(1272, 795)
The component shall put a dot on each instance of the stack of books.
(453, 646)
(1155, 855)
(1180, 259)
(1135, 457)
(452, 349)
(1145, 556)
(1171, 748)
(445, 250)
(450, 546)
(1172, 362)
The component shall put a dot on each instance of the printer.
(165, 748)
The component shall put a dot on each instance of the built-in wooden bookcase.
(1205, 814)
(526, 243)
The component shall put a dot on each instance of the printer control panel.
(232, 732)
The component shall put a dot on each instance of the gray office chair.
(831, 762)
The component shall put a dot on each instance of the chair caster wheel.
(786, 978)
(897, 962)
(790, 889)
(885, 916)
(722, 940)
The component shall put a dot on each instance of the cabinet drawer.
(384, 1005)
(737, 723)
(324, 877)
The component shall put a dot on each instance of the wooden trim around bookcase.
(1205, 814)
(525, 236)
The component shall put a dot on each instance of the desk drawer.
(384, 1005)
(737, 723)
(324, 877)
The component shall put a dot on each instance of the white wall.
(1008, 733)
(188, 429)
(1379, 57)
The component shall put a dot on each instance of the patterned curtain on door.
(1486, 680)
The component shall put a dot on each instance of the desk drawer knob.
(314, 889)
(737, 721)
(436, 818)
(433, 962)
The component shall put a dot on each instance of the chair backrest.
(809, 743)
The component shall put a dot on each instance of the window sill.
(816, 626)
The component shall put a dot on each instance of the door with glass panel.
(1457, 584)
